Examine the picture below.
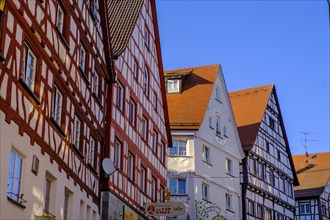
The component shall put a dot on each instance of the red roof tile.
(187, 109)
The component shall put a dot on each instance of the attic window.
(173, 86)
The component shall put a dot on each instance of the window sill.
(207, 163)
(218, 134)
(48, 215)
(225, 136)
(63, 39)
(230, 174)
(31, 93)
(186, 156)
(84, 76)
(229, 210)
(98, 100)
(179, 194)
(19, 204)
(78, 151)
(58, 127)
(92, 168)
(218, 100)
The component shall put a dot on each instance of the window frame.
(145, 85)
(120, 94)
(217, 94)
(218, 126)
(153, 189)
(77, 131)
(58, 103)
(259, 213)
(206, 154)
(176, 149)
(144, 128)
(229, 167)
(118, 154)
(229, 198)
(160, 152)
(132, 113)
(14, 192)
(154, 141)
(180, 186)
(173, 86)
(143, 179)
(205, 192)
(131, 166)
(92, 155)
(304, 205)
(96, 85)
(251, 208)
(31, 85)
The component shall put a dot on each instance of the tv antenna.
(305, 140)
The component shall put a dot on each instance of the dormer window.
(173, 86)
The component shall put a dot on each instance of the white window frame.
(29, 68)
(60, 18)
(132, 112)
(173, 85)
(206, 154)
(177, 186)
(217, 93)
(57, 105)
(118, 154)
(144, 128)
(217, 126)
(229, 202)
(303, 208)
(143, 178)
(154, 189)
(92, 147)
(96, 84)
(14, 176)
(82, 58)
(205, 192)
(120, 96)
(130, 166)
(161, 152)
(179, 148)
(229, 167)
(66, 205)
(76, 133)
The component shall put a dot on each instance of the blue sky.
(258, 43)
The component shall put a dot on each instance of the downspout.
(244, 186)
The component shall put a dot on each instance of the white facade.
(204, 165)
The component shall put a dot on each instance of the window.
(173, 86)
(217, 93)
(154, 189)
(259, 211)
(60, 19)
(118, 149)
(146, 36)
(135, 68)
(267, 146)
(145, 81)
(267, 214)
(67, 195)
(278, 155)
(280, 216)
(77, 134)
(161, 194)
(49, 196)
(304, 208)
(14, 176)
(250, 207)
(132, 112)
(225, 131)
(179, 148)
(96, 83)
(144, 128)
(229, 202)
(130, 166)
(217, 126)
(143, 179)
(82, 59)
(205, 192)
(324, 209)
(154, 141)
(253, 166)
(57, 106)
(271, 122)
(120, 98)
(271, 178)
(229, 166)
(206, 154)
(261, 171)
(161, 152)
(210, 122)
(92, 152)
(154, 100)
(29, 68)
(95, 10)
(177, 186)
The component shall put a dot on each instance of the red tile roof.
(187, 109)
(249, 106)
(313, 173)
(123, 15)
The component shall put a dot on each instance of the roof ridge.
(298, 155)
(193, 67)
(252, 88)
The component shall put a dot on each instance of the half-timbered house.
(313, 193)
(267, 170)
(52, 109)
(138, 133)
(203, 164)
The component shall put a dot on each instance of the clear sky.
(258, 43)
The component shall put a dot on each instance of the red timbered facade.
(139, 131)
(53, 78)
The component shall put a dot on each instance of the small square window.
(304, 208)
(179, 148)
(173, 85)
(177, 186)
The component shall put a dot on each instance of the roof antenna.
(305, 140)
